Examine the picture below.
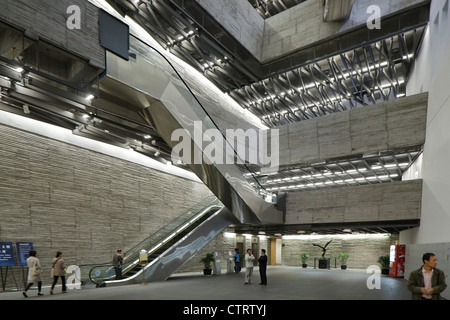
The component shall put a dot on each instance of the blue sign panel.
(23, 252)
(6, 254)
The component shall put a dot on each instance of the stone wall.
(363, 250)
(83, 203)
(388, 125)
(378, 202)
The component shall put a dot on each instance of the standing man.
(428, 282)
(237, 267)
(263, 267)
(117, 263)
(249, 258)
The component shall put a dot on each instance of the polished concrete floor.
(284, 283)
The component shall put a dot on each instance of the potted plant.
(383, 261)
(207, 261)
(343, 257)
(304, 257)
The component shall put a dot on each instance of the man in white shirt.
(248, 266)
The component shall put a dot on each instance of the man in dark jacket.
(117, 263)
(427, 282)
(263, 267)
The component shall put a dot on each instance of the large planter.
(207, 272)
(324, 263)
(343, 267)
(385, 271)
(304, 265)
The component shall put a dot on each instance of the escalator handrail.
(165, 252)
(135, 263)
(199, 103)
(195, 209)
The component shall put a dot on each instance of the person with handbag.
(34, 273)
(58, 271)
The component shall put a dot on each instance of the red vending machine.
(397, 260)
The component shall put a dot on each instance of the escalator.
(167, 249)
(170, 105)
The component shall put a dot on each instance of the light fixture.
(19, 69)
(90, 97)
(157, 153)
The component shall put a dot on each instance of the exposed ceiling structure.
(190, 33)
(369, 74)
(355, 69)
(269, 8)
(334, 10)
(371, 227)
(359, 170)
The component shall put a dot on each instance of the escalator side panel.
(181, 252)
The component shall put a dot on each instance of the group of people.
(35, 272)
(249, 258)
(426, 283)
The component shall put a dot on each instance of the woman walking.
(34, 273)
(58, 272)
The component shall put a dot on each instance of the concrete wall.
(295, 28)
(48, 19)
(285, 32)
(240, 19)
(378, 202)
(84, 203)
(392, 124)
(430, 73)
(363, 250)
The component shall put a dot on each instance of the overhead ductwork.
(337, 10)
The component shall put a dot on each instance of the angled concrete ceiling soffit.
(337, 10)
(269, 8)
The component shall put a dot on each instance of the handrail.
(199, 103)
(162, 236)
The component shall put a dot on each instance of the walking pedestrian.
(249, 258)
(34, 273)
(58, 271)
(263, 267)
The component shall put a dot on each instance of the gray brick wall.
(363, 252)
(84, 203)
